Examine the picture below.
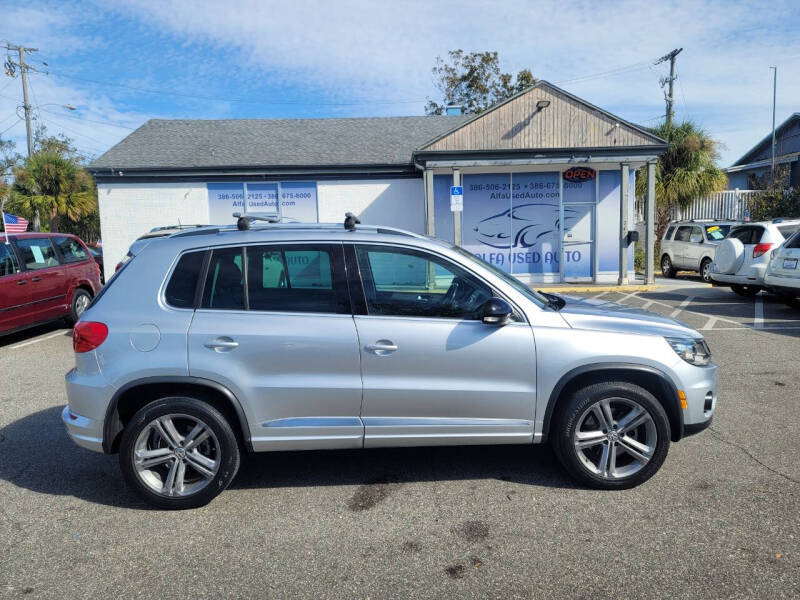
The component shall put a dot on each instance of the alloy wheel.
(176, 455)
(615, 438)
(81, 304)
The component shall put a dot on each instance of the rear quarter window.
(670, 231)
(182, 284)
(71, 249)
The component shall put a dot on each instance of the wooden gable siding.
(566, 123)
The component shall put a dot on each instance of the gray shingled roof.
(191, 143)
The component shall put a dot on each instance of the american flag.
(14, 224)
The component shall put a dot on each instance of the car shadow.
(38, 455)
(25, 335)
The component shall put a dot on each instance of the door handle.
(382, 347)
(221, 344)
(35, 279)
(22, 282)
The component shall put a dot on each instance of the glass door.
(577, 247)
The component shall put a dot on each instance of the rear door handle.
(35, 279)
(221, 344)
(382, 347)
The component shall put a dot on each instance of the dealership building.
(547, 180)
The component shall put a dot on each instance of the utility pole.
(669, 96)
(774, 93)
(11, 67)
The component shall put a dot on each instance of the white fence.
(730, 204)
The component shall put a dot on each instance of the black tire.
(667, 268)
(748, 291)
(80, 301)
(705, 270)
(791, 300)
(228, 448)
(578, 403)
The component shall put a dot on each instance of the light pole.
(774, 93)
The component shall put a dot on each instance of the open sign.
(579, 174)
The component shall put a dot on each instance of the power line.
(85, 119)
(238, 100)
(617, 71)
(12, 125)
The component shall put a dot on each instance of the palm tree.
(685, 172)
(54, 186)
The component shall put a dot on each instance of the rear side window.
(295, 278)
(37, 253)
(71, 249)
(8, 262)
(683, 234)
(224, 285)
(748, 235)
(183, 283)
(717, 232)
(670, 231)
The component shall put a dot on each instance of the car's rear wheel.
(612, 435)
(705, 270)
(667, 269)
(791, 300)
(748, 291)
(80, 302)
(178, 453)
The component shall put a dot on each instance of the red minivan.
(43, 277)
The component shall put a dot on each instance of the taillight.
(761, 249)
(88, 335)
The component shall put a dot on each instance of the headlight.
(695, 352)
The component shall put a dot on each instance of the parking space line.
(648, 304)
(39, 339)
(758, 320)
(681, 306)
(599, 295)
(627, 296)
(710, 323)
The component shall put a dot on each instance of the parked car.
(286, 337)
(783, 271)
(154, 233)
(690, 246)
(97, 255)
(741, 259)
(44, 277)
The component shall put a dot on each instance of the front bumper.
(700, 386)
(86, 432)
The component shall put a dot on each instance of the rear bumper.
(86, 432)
(754, 276)
(779, 283)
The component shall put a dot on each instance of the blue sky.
(121, 63)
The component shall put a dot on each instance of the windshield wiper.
(553, 301)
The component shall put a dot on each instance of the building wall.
(127, 210)
(390, 202)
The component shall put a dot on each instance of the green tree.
(53, 183)
(474, 81)
(8, 160)
(685, 172)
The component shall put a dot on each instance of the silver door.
(288, 349)
(435, 377)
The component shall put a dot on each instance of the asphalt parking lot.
(720, 520)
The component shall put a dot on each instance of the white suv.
(690, 246)
(783, 272)
(741, 259)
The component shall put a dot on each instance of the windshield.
(717, 232)
(523, 289)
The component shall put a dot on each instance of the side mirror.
(496, 311)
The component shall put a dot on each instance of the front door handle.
(35, 279)
(382, 347)
(221, 344)
(22, 282)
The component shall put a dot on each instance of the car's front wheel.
(612, 435)
(178, 452)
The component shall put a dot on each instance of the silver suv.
(214, 342)
(690, 246)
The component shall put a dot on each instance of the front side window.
(8, 262)
(409, 283)
(295, 278)
(70, 248)
(224, 285)
(37, 253)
